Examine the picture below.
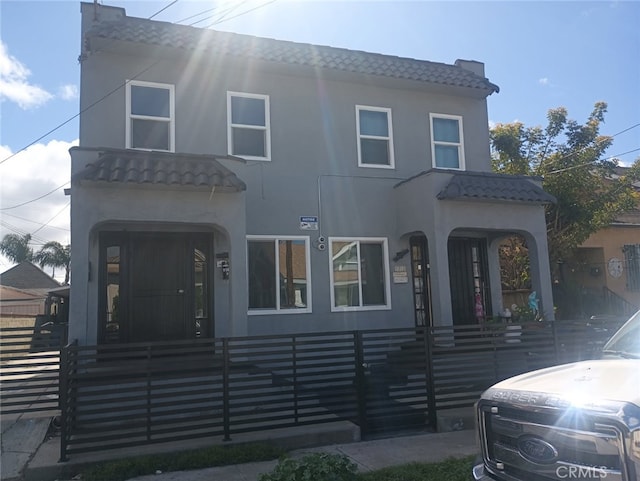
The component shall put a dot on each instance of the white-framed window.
(359, 273)
(150, 122)
(248, 131)
(278, 273)
(447, 146)
(375, 137)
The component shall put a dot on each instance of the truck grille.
(542, 444)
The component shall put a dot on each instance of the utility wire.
(242, 13)
(112, 91)
(50, 220)
(34, 222)
(163, 9)
(589, 163)
(37, 198)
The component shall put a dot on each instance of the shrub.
(313, 467)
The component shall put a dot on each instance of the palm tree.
(16, 248)
(54, 254)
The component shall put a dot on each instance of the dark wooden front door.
(159, 289)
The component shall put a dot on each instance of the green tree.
(569, 158)
(54, 254)
(16, 247)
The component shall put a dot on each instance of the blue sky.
(542, 55)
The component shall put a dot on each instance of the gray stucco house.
(228, 185)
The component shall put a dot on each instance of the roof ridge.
(154, 32)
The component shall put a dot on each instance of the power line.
(589, 163)
(35, 222)
(22, 232)
(240, 14)
(37, 198)
(114, 90)
(163, 9)
(50, 220)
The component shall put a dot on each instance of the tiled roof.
(161, 168)
(489, 186)
(153, 32)
(27, 276)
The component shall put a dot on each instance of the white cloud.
(544, 81)
(38, 170)
(14, 85)
(68, 92)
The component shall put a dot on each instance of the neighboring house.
(24, 290)
(229, 185)
(606, 267)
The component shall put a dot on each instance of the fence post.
(430, 384)
(556, 341)
(294, 355)
(63, 399)
(361, 383)
(226, 418)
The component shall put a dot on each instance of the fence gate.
(29, 361)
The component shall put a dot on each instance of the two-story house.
(228, 185)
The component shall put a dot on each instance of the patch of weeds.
(313, 467)
(447, 470)
(182, 461)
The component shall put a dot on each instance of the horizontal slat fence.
(29, 368)
(382, 380)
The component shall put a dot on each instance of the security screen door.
(158, 289)
(155, 286)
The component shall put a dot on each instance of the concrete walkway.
(28, 454)
(367, 455)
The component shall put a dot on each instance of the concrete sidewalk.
(367, 455)
(30, 452)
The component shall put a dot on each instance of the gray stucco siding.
(312, 119)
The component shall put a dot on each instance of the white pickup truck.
(578, 421)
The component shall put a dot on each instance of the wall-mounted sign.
(309, 222)
(400, 275)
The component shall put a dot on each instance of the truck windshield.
(625, 342)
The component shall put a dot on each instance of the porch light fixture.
(400, 254)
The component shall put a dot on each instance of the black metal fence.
(29, 360)
(115, 396)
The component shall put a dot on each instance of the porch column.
(495, 278)
(541, 273)
(440, 285)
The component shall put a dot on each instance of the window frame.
(278, 309)
(387, 287)
(130, 116)
(459, 145)
(388, 138)
(266, 128)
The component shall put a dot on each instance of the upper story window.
(447, 148)
(150, 116)
(359, 274)
(375, 140)
(248, 131)
(278, 273)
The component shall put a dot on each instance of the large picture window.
(248, 126)
(278, 273)
(447, 149)
(375, 140)
(150, 116)
(359, 274)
